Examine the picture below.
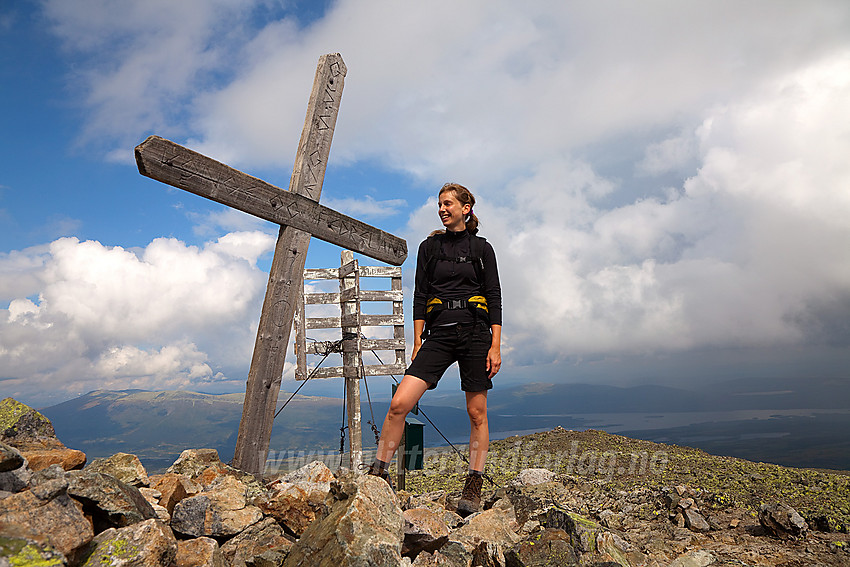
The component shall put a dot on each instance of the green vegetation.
(617, 463)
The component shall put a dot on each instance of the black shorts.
(467, 344)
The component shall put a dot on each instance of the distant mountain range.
(157, 426)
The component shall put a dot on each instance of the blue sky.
(665, 183)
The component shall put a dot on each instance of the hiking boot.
(382, 473)
(470, 499)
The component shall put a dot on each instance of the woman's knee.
(477, 416)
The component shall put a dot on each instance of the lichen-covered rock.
(782, 521)
(263, 539)
(297, 499)
(46, 511)
(173, 488)
(364, 527)
(33, 435)
(424, 530)
(199, 552)
(110, 502)
(222, 510)
(124, 466)
(146, 544)
(581, 530)
(26, 551)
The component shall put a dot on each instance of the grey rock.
(110, 502)
(697, 558)
(694, 520)
(782, 521)
(10, 458)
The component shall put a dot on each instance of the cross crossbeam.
(175, 165)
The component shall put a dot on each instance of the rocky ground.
(558, 498)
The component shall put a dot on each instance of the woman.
(457, 310)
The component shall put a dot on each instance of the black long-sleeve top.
(454, 280)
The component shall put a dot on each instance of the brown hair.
(465, 197)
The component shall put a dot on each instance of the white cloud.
(722, 221)
(367, 207)
(169, 316)
(740, 256)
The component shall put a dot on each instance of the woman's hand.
(494, 355)
(494, 360)
(418, 329)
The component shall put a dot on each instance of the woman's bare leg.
(406, 396)
(479, 435)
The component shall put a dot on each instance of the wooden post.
(285, 276)
(349, 293)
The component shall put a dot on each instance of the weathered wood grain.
(173, 164)
(287, 271)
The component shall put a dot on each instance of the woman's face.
(452, 212)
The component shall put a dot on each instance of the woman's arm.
(494, 355)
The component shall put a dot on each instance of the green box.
(414, 443)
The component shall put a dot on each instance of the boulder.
(110, 502)
(581, 530)
(264, 540)
(23, 550)
(17, 479)
(424, 530)
(173, 488)
(611, 547)
(493, 525)
(545, 548)
(365, 526)
(221, 511)
(696, 558)
(153, 497)
(453, 554)
(32, 434)
(199, 552)
(782, 521)
(532, 501)
(125, 467)
(314, 472)
(149, 543)
(297, 499)
(47, 512)
(532, 477)
(10, 458)
(204, 467)
(192, 462)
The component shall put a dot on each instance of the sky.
(665, 183)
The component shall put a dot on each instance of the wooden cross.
(299, 215)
